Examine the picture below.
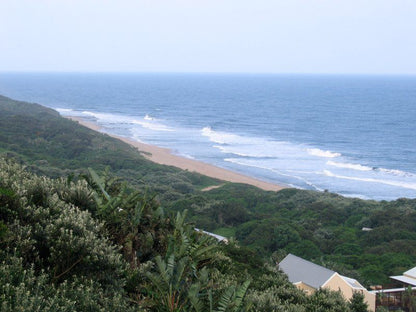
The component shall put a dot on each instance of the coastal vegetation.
(85, 218)
(94, 246)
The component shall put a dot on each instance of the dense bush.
(42, 220)
(55, 256)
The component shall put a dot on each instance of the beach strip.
(164, 156)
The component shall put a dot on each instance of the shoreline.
(164, 156)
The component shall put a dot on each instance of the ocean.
(352, 135)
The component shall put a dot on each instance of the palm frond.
(225, 300)
(240, 293)
(99, 183)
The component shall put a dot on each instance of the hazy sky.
(277, 36)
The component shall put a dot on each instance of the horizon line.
(203, 73)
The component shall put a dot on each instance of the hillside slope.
(323, 227)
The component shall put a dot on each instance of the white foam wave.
(220, 137)
(244, 151)
(396, 172)
(153, 126)
(302, 165)
(186, 156)
(390, 172)
(243, 163)
(250, 146)
(105, 117)
(251, 164)
(88, 113)
(348, 166)
(147, 122)
(137, 138)
(411, 186)
(320, 153)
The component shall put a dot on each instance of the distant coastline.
(335, 133)
(164, 156)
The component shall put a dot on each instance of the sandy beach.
(165, 157)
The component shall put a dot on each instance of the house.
(309, 277)
(394, 297)
(407, 279)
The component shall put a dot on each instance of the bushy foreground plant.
(55, 257)
(72, 246)
(175, 265)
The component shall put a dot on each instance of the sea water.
(352, 135)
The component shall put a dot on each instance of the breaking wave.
(349, 166)
(372, 180)
(221, 137)
(295, 164)
(153, 126)
(395, 172)
(320, 153)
